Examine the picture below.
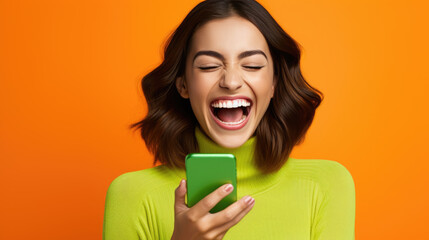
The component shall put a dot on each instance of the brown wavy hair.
(169, 126)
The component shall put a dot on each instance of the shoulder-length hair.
(169, 126)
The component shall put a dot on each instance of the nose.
(231, 80)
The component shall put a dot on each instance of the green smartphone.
(205, 172)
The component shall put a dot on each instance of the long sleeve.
(307, 199)
(336, 215)
(124, 214)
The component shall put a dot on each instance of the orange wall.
(69, 87)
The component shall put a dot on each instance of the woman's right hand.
(198, 223)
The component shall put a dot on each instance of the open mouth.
(231, 114)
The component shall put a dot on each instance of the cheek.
(262, 85)
(198, 91)
(200, 84)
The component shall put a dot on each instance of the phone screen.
(205, 172)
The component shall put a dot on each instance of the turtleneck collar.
(250, 179)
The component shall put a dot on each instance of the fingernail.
(249, 200)
(229, 188)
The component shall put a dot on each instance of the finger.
(179, 199)
(208, 202)
(232, 211)
(221, 230)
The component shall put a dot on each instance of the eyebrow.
(221, 57)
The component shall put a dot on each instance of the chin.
(232, 139)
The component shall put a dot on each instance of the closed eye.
(248, 67)
(208, 68)
(254, 67)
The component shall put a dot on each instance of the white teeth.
(233, 123)
(231, 103)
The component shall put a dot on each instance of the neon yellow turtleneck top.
(304, 200)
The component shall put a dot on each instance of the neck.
(250, 179)
(244, 154)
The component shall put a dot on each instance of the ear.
(181, 87)
(273, 87)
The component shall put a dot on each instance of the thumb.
(179, 202)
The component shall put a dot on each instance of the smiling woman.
(217, 42)
(230, 82)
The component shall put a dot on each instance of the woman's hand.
(198, 223)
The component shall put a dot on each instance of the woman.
(231, 82)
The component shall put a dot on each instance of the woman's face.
(229, 79)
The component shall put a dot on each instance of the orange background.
(69, 87)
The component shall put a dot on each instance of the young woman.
(230, 82)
